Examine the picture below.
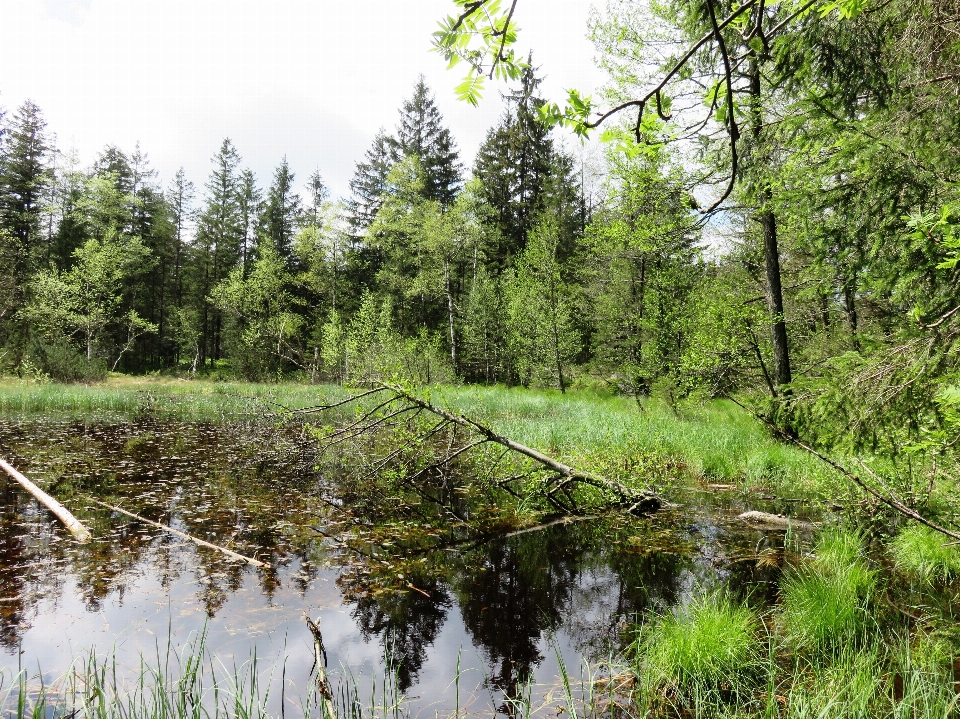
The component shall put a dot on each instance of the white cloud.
(310, 79)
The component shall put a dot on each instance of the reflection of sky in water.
(504, 607)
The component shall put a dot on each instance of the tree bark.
(80, 532)
(771, 249)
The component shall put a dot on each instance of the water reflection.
(411, 598)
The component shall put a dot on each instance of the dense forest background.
(828, 275)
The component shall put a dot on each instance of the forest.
(728, 280)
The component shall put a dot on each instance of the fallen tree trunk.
(776, 521)
(80, 532)
(229, 552)
(635, 500)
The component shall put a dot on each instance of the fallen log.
(633, 499)
(229, 552)
(80, 532)
(777, 521)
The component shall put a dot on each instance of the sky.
(309, 79)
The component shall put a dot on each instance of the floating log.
(777, 521)
(229, 552)
(80, 532)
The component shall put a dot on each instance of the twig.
(195, 540)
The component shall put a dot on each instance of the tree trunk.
(771, 250)
(453, 337)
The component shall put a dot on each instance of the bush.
(60, 361)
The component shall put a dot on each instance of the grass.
(709, 645)
(826, 600)
(715, 442)
(925, 554)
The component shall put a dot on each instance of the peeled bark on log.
(777, 521)
(80, 532)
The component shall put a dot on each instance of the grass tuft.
(825, 600)
(709, 645)
(925, 554)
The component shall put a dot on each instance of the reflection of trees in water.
(406, 621)
(513, 592)
(199, 477)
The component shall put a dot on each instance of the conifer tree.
(513, 165)
(217, 247)
(421, 132)
(250, 198)
(369, 182)
(24, 178)
(281, 212)
(317, 195)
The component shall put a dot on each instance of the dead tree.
(385, 407)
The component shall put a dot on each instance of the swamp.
(617, 377)
(476, 603)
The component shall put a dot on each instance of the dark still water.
(507, 610)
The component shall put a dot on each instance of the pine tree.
(281, 212)
(369, 183)
(421, 133)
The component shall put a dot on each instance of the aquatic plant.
(925, 554)
(825, 599)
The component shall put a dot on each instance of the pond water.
(505, 610)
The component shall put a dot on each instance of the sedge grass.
(923, 553)
(706, 648)
(826, 599)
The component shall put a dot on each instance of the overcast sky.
(309, 79)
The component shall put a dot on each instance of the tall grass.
(925, 554)
(826, 600)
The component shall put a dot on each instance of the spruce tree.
(513, 165)
(251, 199)
(281, 213)
(24, 179)
(317, 195)
(217, 247)
(421, 133)
(369, 182)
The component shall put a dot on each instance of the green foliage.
(709, 644)
(925, 553)
(86, 300)
(541, 306)
(826, 599)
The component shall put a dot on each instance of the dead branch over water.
(394, 405)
